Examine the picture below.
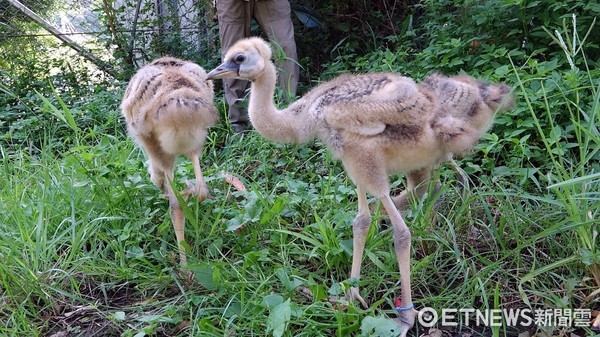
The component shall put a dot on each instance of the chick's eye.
(240, 58)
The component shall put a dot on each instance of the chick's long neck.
(282, 126)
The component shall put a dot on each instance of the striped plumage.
(168, 107)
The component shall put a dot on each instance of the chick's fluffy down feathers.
(366, 104)
(172, 100)
(457, 110)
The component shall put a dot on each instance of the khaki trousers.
(274, 18)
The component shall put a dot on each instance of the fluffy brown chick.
(168, 107)
(377, 124)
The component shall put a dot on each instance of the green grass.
(87, 246)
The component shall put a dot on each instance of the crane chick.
(377, 124)
(168, 107)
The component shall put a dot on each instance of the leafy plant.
(379, 327)
(573, 175)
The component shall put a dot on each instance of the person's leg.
(275, 19)
(234, 24)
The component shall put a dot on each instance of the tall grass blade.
(64, 114)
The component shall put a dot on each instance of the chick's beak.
(227, 69)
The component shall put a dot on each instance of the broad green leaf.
(235, 223)
(272, 300)
(135, 252)
(207, 276)
(336, 289)
(289, 284)
(379, 327)
(279, 318)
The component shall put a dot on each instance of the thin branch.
(64, 38)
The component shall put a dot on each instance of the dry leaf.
(234, 181)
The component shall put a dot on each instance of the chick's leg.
(199, 190)
(402, 238)
(360, 228)
(416, 187)
(176, 217)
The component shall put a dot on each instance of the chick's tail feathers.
(498, 97)
(461, 124)
(183, 108)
